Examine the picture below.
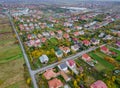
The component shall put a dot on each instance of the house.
(63, 67)
(81, 69)
(67, 30)
(71, 63)
(118, 43)
(67, 86)
(66, 36)
(52, 33)
(98, 84)
(75, 40)
(27, 27)
(81, 32)
(95, 41)
(66, 50)
(59, 53)
(67, 24)
(29, 36)
(33, 36)
(31, 43)
(59, 32)
(64, 75)
(76, 33)
(86, 57)
(49, 74)
(104, 49)
(39, 35)
(75, 47)
(59, 36)
(21, 27)
(46, 34)
(108, 37)
(37, 42)
(101, 35)
(78, 27)
(43, 40)
(43, 59)
(55, 83)
(86, 42)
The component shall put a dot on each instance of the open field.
(118, 52)
(12, 76)
(11, 60)
(100, 58)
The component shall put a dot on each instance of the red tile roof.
(43, 40)
(104, 48)
(86, 42)
(71, 62)
(98, 84)
(49, 74)
(66, 35)
(86, 57)
(55, 83)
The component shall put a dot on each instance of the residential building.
(43, 59)
(104, 49)
(75, 47)
(86, 57)
(64, 75)
(59, 53)
(63, 67)
(49, 74)
(118, 43)
(71, 63)
(95, 41)
(66, 36)
(66, 50)
(98, 84)
(55, 83)
(86, 42)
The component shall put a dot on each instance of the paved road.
(68, 58)
(33, 72)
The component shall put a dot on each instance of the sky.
(60, 0)
(54, 0)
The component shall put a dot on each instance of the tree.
(75, 84)
(28, 81)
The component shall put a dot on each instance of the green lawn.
(9, 53)
(8, 49)
(102, 61)
(54, 41)
(117, 51)
(11, 60)
(100, 67)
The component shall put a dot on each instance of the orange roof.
(49, 74)
(86, 42)
(85, 55)
(59, 32)
(43, 40)
(66, 35)
(64, 75)
(55, 83)
(64, 48)
(76, 33)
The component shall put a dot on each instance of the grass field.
(98, 57)
(11, 59)
(118, 52)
